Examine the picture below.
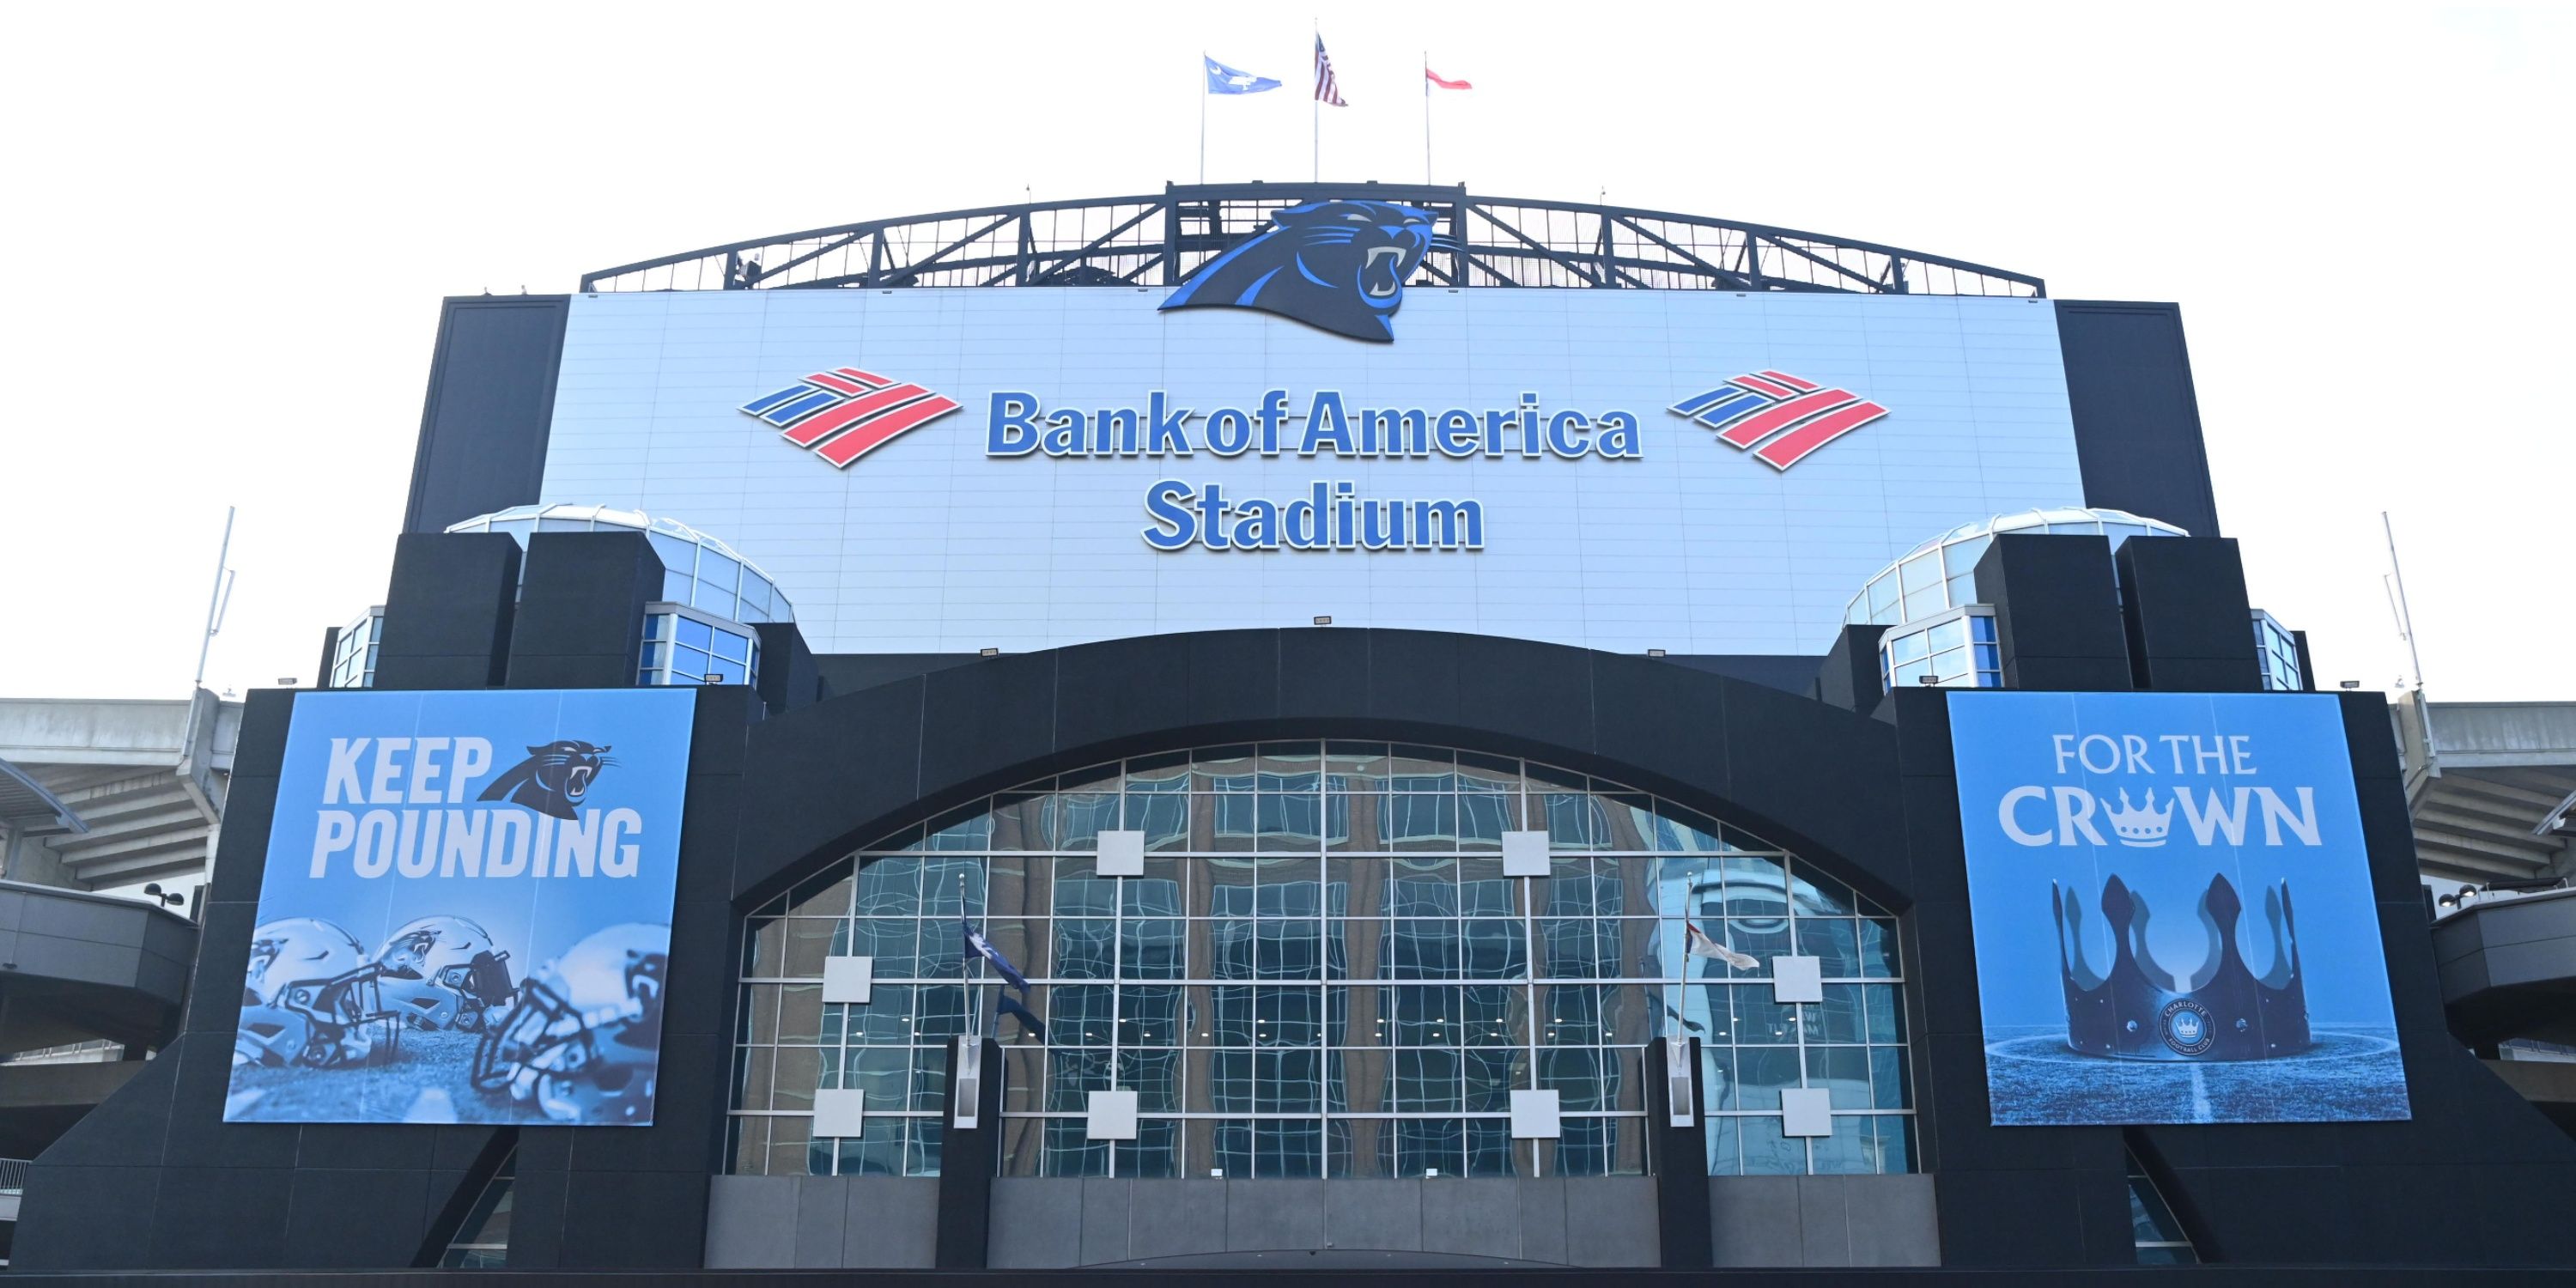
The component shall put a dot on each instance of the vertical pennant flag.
(1327, 89)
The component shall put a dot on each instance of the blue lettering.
(1229, 431)
(1457, 433)
(1303, 522)
(1117, 431)
(1456, 523)
(1212, 509)
(1010, 429)
(1564, 431)
(1326, 426)
(1274, 412)
(1167, 428)
(1257, 528)
(1063, 436)
(1174, 525)
(1618, 439)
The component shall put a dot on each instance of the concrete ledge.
(1798, 1221)
(1386, 1224)
(821, 1222)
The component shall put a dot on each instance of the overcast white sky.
(232, 225)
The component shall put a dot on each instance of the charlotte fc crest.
(2217, 1010)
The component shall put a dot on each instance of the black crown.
(2141, 1011)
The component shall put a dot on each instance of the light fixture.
(988, 652)
(1927, 678)
(2350, 684)
(286, 682)
(1324, 620)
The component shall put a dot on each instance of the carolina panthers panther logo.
(1338, 265)
(553, 779)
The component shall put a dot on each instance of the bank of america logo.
(1796, 416)
(845, 413)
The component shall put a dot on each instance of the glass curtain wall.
(1323, 972)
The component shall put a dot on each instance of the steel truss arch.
(1160, 240)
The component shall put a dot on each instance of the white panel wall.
(928, 545)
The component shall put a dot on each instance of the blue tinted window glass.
(695, 634)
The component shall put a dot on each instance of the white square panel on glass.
(1524, 854)
(849, 979)
(1797, 979)
(1806, 1111)
(839, 1111)
(1112, 1116)
(1122, 853)
(1534, 1115)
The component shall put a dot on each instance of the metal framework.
(1161, 240)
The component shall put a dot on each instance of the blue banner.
(466, 913)
(2172, 910)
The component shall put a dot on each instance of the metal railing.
(13, 1174)
(1160, 240)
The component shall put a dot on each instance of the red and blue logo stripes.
(1797, 416)
(845, 413)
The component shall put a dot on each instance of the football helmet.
(309, 998)
(582, 1041)
(443, 972)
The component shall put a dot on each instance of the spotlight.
(1654, 652)
(988, 652)
(1927, 679)
(1325, 620)
(2350, 684)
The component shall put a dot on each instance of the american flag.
(1327, 90)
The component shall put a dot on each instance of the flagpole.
(1316, 109)
(1203, 98)
(1426, 118)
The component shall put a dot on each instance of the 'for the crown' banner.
(466, 914)
(2172, 910)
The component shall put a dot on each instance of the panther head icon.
(1338, 265)
(553, 779)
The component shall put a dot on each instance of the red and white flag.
(1327, 90)
(1436, 79)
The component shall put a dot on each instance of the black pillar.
(788, 676)
(449, 611)
(2057, 612)
(966, 1161)
(2189, 627)
(1849, 677)
(1681, 1166)
(581, 610)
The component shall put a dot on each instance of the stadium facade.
(1325, 728)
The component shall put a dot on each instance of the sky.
(233, 226)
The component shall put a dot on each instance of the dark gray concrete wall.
(822, 1222)
(1824, 1221)
(1563, 1221)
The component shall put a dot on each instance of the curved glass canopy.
(698, 570)
(1938, 575)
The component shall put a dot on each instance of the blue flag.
(978, 946)
(1028, 1020)
(1226, 80)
